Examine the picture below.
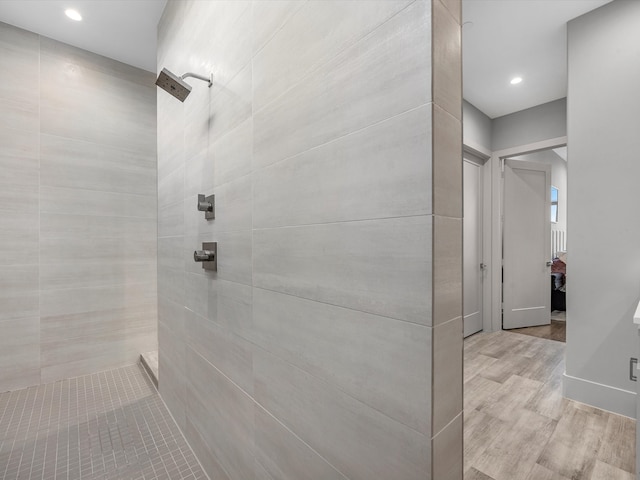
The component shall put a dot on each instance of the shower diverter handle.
(204, 255)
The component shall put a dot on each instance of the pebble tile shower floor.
(109, 425)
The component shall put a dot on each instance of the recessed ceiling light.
(73, 14)
(516, 80)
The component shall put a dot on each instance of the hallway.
(518, 426)
(109, 425)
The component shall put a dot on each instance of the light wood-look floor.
(555, 331)
(517, 426)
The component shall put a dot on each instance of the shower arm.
(208, 79)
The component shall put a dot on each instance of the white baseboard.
(605, 397)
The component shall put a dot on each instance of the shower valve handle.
(207, 205)
(204, 256)
(208, 256)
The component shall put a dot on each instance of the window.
(554, 205)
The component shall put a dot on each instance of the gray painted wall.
(77, 211)
(534, 124)
(312, 352)
(476, 128)
(604, 258)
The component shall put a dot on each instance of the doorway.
(534, 243)
(473, 227)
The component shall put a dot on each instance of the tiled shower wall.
(77, 211)
(328, 345)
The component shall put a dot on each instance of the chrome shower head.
(176, 86)
(173, 84)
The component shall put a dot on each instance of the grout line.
(345, 135)
(338, 222)
(344, 307)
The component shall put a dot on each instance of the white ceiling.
(509, 38)
(124, 30)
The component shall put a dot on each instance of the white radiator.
(558, 242)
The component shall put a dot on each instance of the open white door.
(526, 244)
(472, 248)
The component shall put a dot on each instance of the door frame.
(493, 321)
(482, 157)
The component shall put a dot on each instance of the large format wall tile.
(447, 164)
(224, 413)
(117, 74)
(78, 200)
(18, 238)
(310, 352)
(76, 164)
(341, 97)
(231, 307)
(447, 58)
(65, 226)
(234, 256)
(19, 209)
(230, 353)
(19, 199)
(172, 315)
(19, 292)
(171, 284)
(218, 40)
(378, 266)
(196, 124)
(377, 172)
(268, 18)
(173, 385)
(171, 188)
(96, 301)
(447, 452)
(89, 329)
(231, 104)
(171, 220)
(170, 134)
(64, 250)
(447, 373)
(199, 174)
(447, 269)
(80, 356)
(19, 352)
(196, 288)
(18, 306)
(233, 153)
(454, 7)
(97, 273)
(19, 115)
(348, 433)
(285, 456)
(203, 450)
(95, 99)
(233, 206)
(362, 354)
(174, 355)
(19, 59)
(318, 31)
(19, 157)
